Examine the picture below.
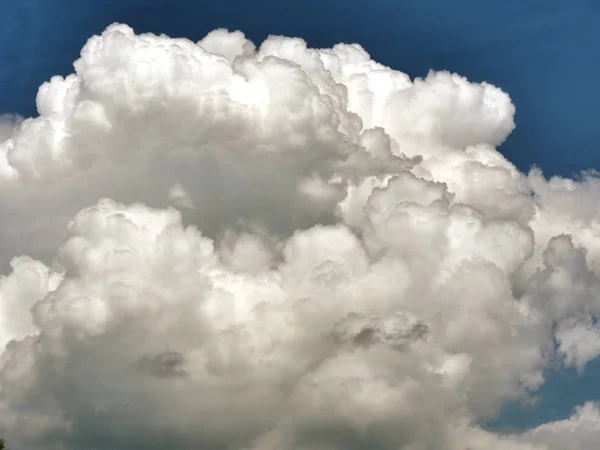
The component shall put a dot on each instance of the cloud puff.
(281, 247)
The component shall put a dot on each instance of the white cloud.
(581, 431)
(352, 264)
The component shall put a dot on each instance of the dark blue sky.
(544, 53)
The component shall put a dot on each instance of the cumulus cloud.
(214, 245)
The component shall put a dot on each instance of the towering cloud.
(282, 248)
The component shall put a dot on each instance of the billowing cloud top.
(281, 248)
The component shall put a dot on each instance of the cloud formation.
(282, 248)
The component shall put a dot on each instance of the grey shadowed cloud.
(168, 364)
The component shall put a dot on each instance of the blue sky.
(539, 51)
